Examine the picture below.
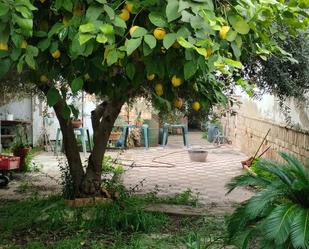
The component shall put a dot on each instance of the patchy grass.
(49, 223)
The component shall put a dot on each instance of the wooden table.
(11, 126)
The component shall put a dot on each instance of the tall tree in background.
(168, 50)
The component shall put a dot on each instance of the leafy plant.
(20, 140)
(278, 215)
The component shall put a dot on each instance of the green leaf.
(112, 57)
(110, 12)
(30, 61)
(76, 85)
(242, 27)
(4, 66)
(233, 63)
(101, 38)
(146, 49)
(172, 10)
(151, 41)
(236, 50)
(15, 54)
(4, 9)
(24, 23)
(88, 27)
(55, 29)
(139, 32)
(133, 44)
(157, 19)
(107, 29)
(190, 69)
(118, 22)
(66, 112)
(25, 12)
(231, 35)
(93, 13)
(53, 96)
(67, 5)
(33, 51)
(169, 40)
(130, 69)
(44, 44)
(101, 1)
(184, 43)
(83, 38)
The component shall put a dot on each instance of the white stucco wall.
(267, 107)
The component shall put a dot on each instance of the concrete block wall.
(247, 133)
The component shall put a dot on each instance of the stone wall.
(247, 134)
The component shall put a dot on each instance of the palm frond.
(297, 167)
(277, 226)
(246, 180)
(276, 169)
(264, 200)
(300, 229)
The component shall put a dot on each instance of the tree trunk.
(103, 119)
(71, 149)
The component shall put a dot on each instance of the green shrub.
(278, 215)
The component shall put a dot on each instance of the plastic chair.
(82, 132)
(184, 133)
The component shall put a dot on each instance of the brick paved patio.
(171, 170)
(168, 169)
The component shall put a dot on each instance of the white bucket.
(9, 117)
(198, 154)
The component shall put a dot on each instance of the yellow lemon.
(66, 20)
(129, 6)
(209, 52)
(4, 46)
(124, 15)
(176, 82)
(159, 33)
(178, 103)
(77, 11)
(176, 45)
(43, 78)
(159, 89)
(132, 30)
(86, 76)
(56, 54)
(196, 106)
(151, 77)
(223, 32)
(24, 44)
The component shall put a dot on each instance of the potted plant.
(76, 123)
(20, 146)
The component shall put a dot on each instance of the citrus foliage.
(278, 215)
(113, 48)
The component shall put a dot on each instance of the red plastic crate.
(9, 162)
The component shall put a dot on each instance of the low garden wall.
(247, 133)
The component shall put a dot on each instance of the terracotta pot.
(76, 123)
(139, 123)
(22, 153)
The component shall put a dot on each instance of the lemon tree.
(169, 50)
